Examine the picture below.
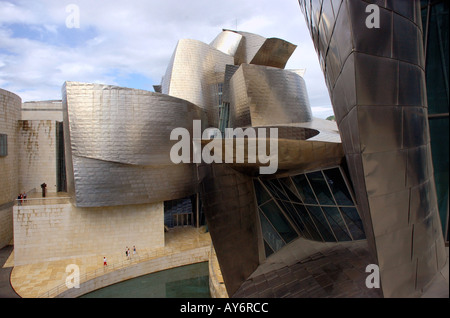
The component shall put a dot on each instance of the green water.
(191, 281)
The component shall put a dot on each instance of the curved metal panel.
(274, 52)
(227, 42)
(230, 210)
(376, 80)
(194, 74)
(118, 144)
(256, 49)
(261, 96)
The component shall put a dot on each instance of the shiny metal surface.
(194, 74)
(230, 209)
(376, 82)
(227, 42)
(262, 96)
(117, 145)
(255, 49)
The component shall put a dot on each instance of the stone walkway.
(34, 280)
(309, 269)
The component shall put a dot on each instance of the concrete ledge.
(217, 287)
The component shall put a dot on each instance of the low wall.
(216, 284)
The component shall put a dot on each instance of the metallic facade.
(117, 144)
(376, 81)
(261, 96)
(194, 74)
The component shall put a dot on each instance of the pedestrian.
(19, 199)
(134, 250)
(129, 253)
(126, 252)
(104, 261)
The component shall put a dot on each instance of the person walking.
(104, 261)
(134, 250)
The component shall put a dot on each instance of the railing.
(55, 291)
(42, 201)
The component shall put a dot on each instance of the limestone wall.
(9, 115)
(53, 232)
(37, 155)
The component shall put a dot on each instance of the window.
(3, 145)
(318, 205)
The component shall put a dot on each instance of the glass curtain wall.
(436, 39)
(317, 205)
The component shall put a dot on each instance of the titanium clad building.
(366, 189)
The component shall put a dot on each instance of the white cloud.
(118, 38)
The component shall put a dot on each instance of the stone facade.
(9, 189)
(37, 155)
(53, 232)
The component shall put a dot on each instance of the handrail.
(53, 292)
(21, 202)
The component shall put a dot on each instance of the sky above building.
(44, 43)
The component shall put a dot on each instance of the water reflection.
(191, 281)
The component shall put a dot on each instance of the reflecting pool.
(190, 281)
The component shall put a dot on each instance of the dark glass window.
(261, 194)
(270, 235)
(320, 187)
(3, 145)
(279, 221)
(354, 222)
(275, 188)
(321, 223)
(288, 187)
(338, 187)
(439, 133)
(337, 223)
(295, 210)
(304, 189)
(435, 23)
(309, 223)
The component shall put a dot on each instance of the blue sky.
(129, 43)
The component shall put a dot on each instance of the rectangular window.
(3, 145)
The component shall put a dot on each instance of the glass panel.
(314, 235)
(293, 215)
(439, 133)
(267, 249)
(278, 220)
(321, 223)
(338, 186)
(354, 222)
(278, 189)
(274, 188)
(304, 189)
(337, 224)
(261, 194)
(270, 235)
(288, 187)
(437, 59)
(320, 188)
(3, 145)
